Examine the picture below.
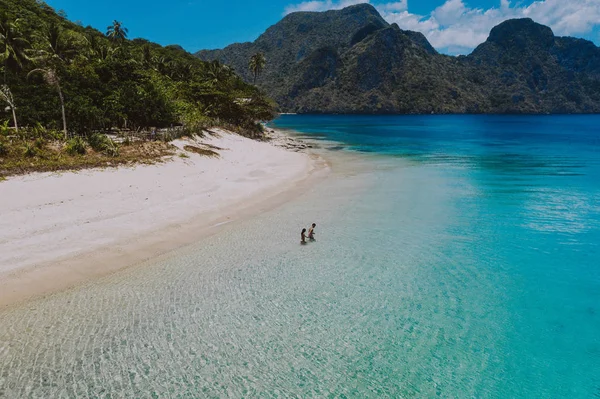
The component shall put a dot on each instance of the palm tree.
(97, 47)
(181, 71)
(146, 55)
(7, 96)
(161, 64)
(12, 44)
(217, 73)
(58, 45)
(105, 52)
(117, 32)
(257, 64)
(52, 79)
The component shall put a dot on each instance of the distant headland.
(353, 61)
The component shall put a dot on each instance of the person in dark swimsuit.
(303, 237)
(311, 232)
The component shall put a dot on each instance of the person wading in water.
(311, 232)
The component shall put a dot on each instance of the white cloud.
(396, 6)
(457, 28)
(324, 5)
(450, 12)
(318, 5)
(566, 17)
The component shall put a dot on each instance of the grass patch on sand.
(201, 151)
(213, 147)
(25, 156)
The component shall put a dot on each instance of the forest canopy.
(104, 81)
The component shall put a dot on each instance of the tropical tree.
(257, 64)
(7, 96)
(57, 45)
(117, 32)
(51, 77)
(146, 55)
(217, 74)
(12, 44)
(162, 64)
(97, 47)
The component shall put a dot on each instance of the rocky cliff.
(353, 61)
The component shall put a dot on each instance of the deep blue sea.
(456, 257)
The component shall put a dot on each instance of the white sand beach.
(59, 229)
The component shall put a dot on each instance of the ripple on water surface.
(425, 281)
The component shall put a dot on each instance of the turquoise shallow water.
(512, 254)
(457, 257)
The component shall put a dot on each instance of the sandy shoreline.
(58, 230)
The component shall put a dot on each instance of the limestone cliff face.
(353, 61)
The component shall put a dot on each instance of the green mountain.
(353, 61)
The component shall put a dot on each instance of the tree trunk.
(14, 117)
(62, 107)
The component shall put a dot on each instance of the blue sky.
(452, 26)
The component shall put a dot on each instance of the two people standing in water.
(311, 234)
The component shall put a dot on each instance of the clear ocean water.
(456, 257)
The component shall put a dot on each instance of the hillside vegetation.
(61, 84)
(108, 81)
(353, 61)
